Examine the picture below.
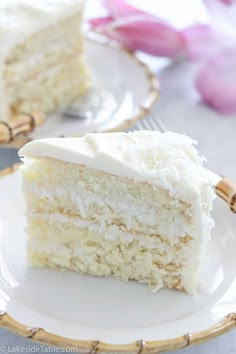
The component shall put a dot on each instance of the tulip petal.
(146, 34)
(100, 21)
(121, 8)
(138, 30)
(202, 41)
(216, 82)
(227, 2)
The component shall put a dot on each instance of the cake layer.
(95, 254)
(149, 220)
(168, 161)
(64, 85)
(36, 36)
(73, 189)
(43, 51)
(38, 227)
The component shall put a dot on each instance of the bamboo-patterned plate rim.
(40, 335)
(154, 86)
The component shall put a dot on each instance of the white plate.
(124, 91)
(79, 307)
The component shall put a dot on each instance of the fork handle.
(226, 189)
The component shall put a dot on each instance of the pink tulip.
(137, 30)
(216, 82)
(202, 41)
(144, 33)
(121, 8)
(97, 22)
(227, 2)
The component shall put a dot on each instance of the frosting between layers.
(133, 216)
(167, 160)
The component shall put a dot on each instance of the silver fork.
(151, 123)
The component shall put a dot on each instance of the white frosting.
(168, 160)
(20, 19)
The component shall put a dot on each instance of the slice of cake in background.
(42, 61)
(135, 206)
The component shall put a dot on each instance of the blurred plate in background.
(124, 91)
